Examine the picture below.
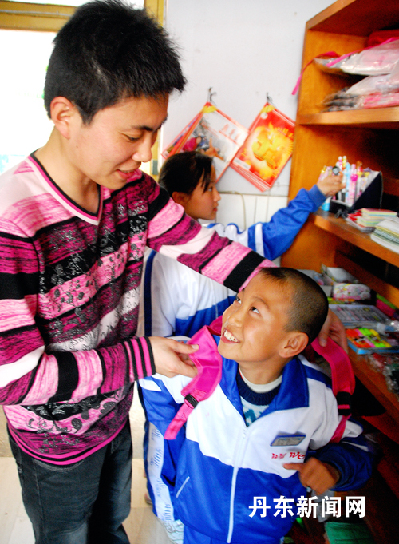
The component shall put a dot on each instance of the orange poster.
(266, 149)
(213, 133)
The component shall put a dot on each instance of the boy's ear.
(62, 111)
(180, 198)
(295, 343)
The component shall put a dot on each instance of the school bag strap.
(343, 380)
(209, 365)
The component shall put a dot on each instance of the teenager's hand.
(314, 474)
(331, 184)
(333, 328)
(172, 357)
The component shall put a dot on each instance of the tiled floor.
(141, 525)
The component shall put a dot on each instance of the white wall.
(244, 50)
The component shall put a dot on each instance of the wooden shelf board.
(339, 227)
(386, 118)
(339, 17)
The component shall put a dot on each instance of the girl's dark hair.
(182, 172)
(108, 51)
(309, 305)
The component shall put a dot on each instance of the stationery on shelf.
(365, 340)
(366, 219)
(362, 189)
(386, 233)
(360, 315)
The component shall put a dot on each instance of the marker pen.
(347, 180)
(352, 185)
(336, 170)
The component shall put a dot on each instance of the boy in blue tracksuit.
(265, 431)
(178, 301)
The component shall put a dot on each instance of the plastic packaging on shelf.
(387, 83)
(379, 361)
(391, 373)
(379, 91)
(378, 60)
(341, 100)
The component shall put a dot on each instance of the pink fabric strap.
(343, 380)
(209, 365)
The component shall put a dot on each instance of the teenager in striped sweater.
(75, 218)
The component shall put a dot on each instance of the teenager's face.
(253, 326)
(117, 141)
(203, 205)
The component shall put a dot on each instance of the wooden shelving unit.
(386, 118)
(371, 136)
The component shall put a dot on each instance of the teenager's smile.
(127, 174)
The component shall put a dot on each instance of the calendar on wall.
(213, 133)
(267, 148)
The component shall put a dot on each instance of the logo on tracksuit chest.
(284, 440)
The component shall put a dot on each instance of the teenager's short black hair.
(182, 172)
(309, 305)
(108, 51)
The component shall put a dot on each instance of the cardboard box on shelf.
(344, 285)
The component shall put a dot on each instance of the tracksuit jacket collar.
(293, 392)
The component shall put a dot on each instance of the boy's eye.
(237, 299)
(253, 309)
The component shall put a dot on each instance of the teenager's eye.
(133, 138)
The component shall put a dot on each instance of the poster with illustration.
(266, 149)
(213, 133)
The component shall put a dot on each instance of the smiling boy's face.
(254, 332)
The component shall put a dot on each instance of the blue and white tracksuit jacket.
(222, 465)
(176, 300)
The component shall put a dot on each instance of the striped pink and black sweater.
(69, 296)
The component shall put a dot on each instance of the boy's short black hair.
(309, 305)
(108, 51)
(182, 172)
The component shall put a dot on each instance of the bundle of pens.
(355, 177)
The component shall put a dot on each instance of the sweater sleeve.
(271, 239)
(176, 235)
(30, 372)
